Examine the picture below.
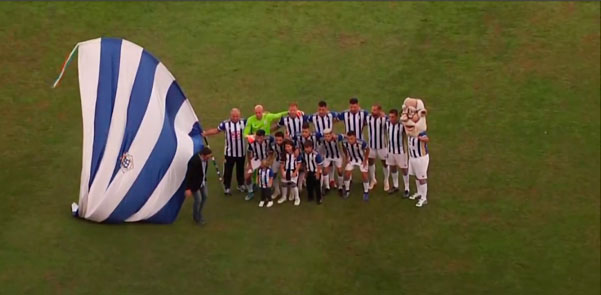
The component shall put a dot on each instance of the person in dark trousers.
(196, 182)
(312, 161)
(235, 149)
(265, 182)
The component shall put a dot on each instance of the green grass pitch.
(513, 93)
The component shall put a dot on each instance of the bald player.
(234, 150)
(261, 120)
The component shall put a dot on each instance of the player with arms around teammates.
(357, 153)
(333, 159)
(323, 120)
(376, 129)
(234, 150)
(397, 155)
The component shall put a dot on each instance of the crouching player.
(265, 182)
(357, 153)
(332, 159)
(312, 162)
(258, 151)
(277, 150)
(414, 121)
(306, 136)
(397, 156)
(289, 168)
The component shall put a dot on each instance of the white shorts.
(292, 179)
(419, 167)
(351, 165)
(379, 153)
(337, 162)
(254, 165)
(399, 160)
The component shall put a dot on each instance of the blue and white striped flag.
(139, 132)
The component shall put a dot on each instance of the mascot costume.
(413, 118)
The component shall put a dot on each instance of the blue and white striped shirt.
(290, 161)
(314, 137)
(294, 125)
(332, 148)
(376, 127)
(311, 161)
(395, 137)
(277, 150)
(354, 122)
(234, 141)
(260, 151)
(264, 175)
(417, 148)
(355, 152)
(321, 123)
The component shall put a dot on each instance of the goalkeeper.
(260, 121)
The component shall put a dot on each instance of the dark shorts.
(265, 193)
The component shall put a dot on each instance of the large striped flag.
(139, 132)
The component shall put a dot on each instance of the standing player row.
(386, 135)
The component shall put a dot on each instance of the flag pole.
(215, 164)
(65, 65)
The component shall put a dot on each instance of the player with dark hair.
(289, 168)
(333, 158)
(376, 127)
(323, 119)
(357, 153)
(258, 151)
(397, 154)
(354, 118)
(277, 151)
(293, 121)
(235, 151)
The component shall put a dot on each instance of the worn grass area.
(513, 91)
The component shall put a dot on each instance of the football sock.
(417, 187)
(372, 172)
(285, 191)
(326, 181)
(366, 187)
(386, 172)
(423, 191)
(301, 180)
(406, 181)
(395, 179)
(340, 181)
(347, 185)
(276, 185)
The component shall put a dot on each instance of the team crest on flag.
(131, 105)
(127, 162)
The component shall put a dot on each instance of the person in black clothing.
(196, 182)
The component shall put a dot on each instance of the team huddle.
(319, 160)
